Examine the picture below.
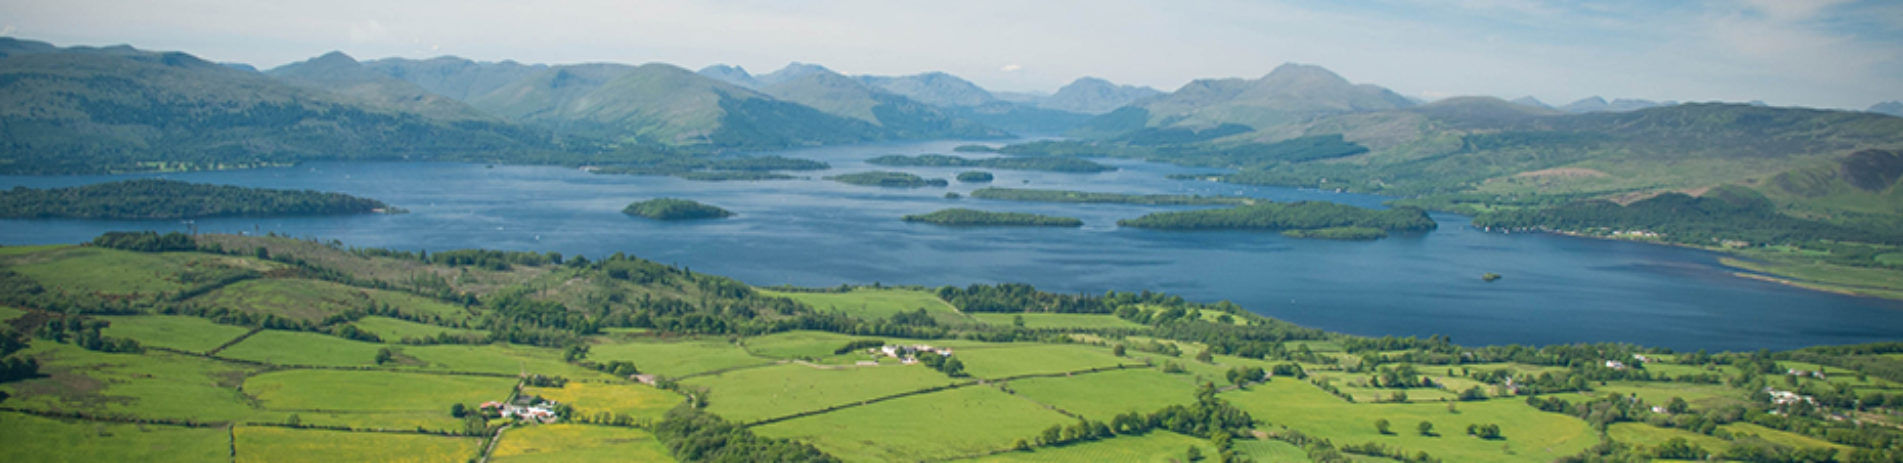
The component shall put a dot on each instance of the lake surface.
(814, 232)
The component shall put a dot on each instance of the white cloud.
(1011, 68)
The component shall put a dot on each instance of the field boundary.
(83, 416)
(214, 351)
(929, 390)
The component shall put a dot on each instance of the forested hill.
(82, 109)
(171, 199)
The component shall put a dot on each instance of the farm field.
(151, 385)
(372, 391)
(1101, 396)
(947, 424)
(591, 398)
(274, 444)
(1008, 360)
(37, 439)
(1649, 436)
(304, 300)
(1057, 320)
(301, 348)
(677, 358)
(577, 443)
(875, 303)
(1531, 435)
(810, 345)
(393, 330)
(759, 393)
(189, 334)
(1155, 446)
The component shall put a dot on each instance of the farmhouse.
(908, 354)
(529, 408)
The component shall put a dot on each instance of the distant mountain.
(1090, 95)
(661, 103)
(836, 94)
(454, 77)
(1531, 101)
(110, 109)
(730, 74)
(1020, 97)
(240, 66)
(1894, 108)
(1292, 93)
(1597, 104)
(933, 88)
(338, 73)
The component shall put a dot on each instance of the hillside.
(1090, 95)
(1292, 93)
(661, 103)
(932, 88)
(836, 94)
(174, 348)
(342, 75)
(453, 77)
(117, 109)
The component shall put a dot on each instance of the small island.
(887, 179)
(716, 170)
(1065, 196)
(1489, 277)
(1305, 215)
(157, 199)
(733, 175)
(1050, 164)
(971, 217)
(1339, 233)
(974, 176)
(674, 209)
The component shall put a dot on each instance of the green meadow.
(29, 438)
(1530, 434)
(759, 393)
(578, 443)
(266, 444)
(372, 391)
(676, 358)
(1057, 320)
(1101, 396)
(1008, 360)
(958, 422)
(874, 303)
(1152, 447)
(189, 334)
(590, 398)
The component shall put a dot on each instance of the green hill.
(454, 77)
(1291, 93)
(342, 75)
(842, 96)
(116, 109)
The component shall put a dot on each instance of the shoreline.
(1730, 262)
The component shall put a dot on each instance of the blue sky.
(1823, 53)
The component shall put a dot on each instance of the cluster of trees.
(145, 199)
(1338, 233)
(1019, 297)
(1208, 417)
(146, 241)
(696, 436)
(85, 333)
(887, 179)
(975, 176)
(1052, 164)
(674, 209)
(1065, 196)
(1726, 213)
(949, 365)
(971, 217)
(1304, 215)
(493, 260)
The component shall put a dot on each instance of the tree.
(383, 355)
(1426, 428)
(1194, 454)
(1381, 425)
(1206, 357)
(1117, 350)
(458, 410)
(1017, 320)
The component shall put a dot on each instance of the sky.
(1819, 53)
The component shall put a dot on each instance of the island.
(674, 209)
(1304, 215)
(158, 199)
(970, 217)
(1489, 277)
(1338, 233)
(887, 179)
(974, 176)
(714, 170)
(1050, 164)
(727, 175)
(1066, 196)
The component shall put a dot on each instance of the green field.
(1531, 435)
(508, 359)
(1008, 360)
(308, 300)
(634, 400)
(1101, 396)
(677, 358)
(393, 330)
(372, 391)
(1057, 320)
(36, 439)
(190, 334)
(93, 270)
(9, 313)
(809, 345)
(301, 348)
(577, 443)
(1157, 446)
(875, 303)
(282, 445)
(1774, 436)
(150, 385)
(1700, 396)
(1648, 436)
(759, 393)
(958, 422)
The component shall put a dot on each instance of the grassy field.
(1774, 436)
(1101, 396)
(29, 438)
(9, 313)
(676, 358)
(1159, 447)
(1531, 435)
(1271, 451)
(875, 303)
(1057, 320)
(1700, 396)
(91, 270)
(282, 445)
(810, 345)
(1804, 272)
(638, 401)
(372, 391)
(1648, 436)
(577, 443)
(190, 334)
(301, 348)
(958, 422)
(506, 359)
(151, 385)
(758, 393)
(393, 330)
(309, 300)
(1006, 360)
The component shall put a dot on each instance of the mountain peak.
(1293, 72)
(1894, 108)
(334, 57)
(730, 74)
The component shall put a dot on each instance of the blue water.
(813, 232)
